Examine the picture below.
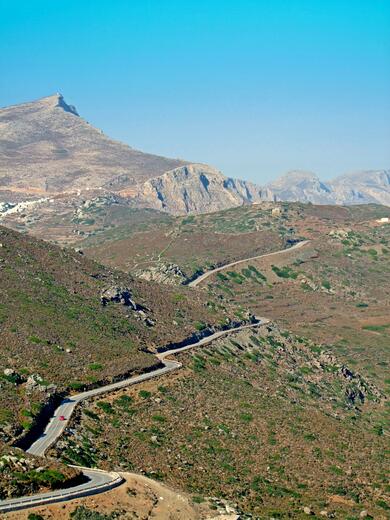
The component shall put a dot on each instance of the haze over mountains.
(355, 188)
(47, 150)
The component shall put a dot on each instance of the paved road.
(100, 481)
(55, 427)
(203, 276)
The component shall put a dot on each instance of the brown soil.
(139, 497)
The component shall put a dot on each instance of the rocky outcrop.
(196, 188)
(22, 474)
(170, 274)
(118, 295)
(124, 296)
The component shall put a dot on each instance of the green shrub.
(284, 272)
(105, 406)
(95, 366)
(83, 513)
(158, 418)
(199, 325)
(246, 417)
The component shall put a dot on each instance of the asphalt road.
(55, 427)
(203, 276)
(97, 482)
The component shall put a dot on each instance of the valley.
(166, 330)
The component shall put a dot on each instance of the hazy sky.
(253, 87)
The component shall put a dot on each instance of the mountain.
(355, 188)
(196, 188)
(362, 187)
(300, 186)
(50, 157)
(48, 150)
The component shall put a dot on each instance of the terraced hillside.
(154, 245)
(334, 290)
(284, 422)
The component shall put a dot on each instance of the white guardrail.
(63, 495)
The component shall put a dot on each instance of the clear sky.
(253, 87)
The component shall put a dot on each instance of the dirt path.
(140, 497)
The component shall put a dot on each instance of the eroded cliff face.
(196, 188)
(362, 187)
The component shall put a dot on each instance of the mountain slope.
(47, 148)
(194, 188)
(355, 188)
(67, 322)
(366, 186)
(52, 161)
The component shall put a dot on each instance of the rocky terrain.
(249, 420)
(21, 474)
(47, 148)
(174, 249)
(283, 422)
(47, 151)
(67, 323)
(287, 421)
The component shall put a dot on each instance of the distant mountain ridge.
(363, 187)
(47, 150)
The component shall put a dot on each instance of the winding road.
(203, 276)
(98, 481)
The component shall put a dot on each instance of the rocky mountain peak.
(54, 101)
(295, 177)
(62, 104)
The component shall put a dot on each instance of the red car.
(61, 418)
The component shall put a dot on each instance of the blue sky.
(254, 87)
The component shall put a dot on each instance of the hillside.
(54, 165)
(68, 323)
(270, 422)
(161, 247)
(283, 422)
